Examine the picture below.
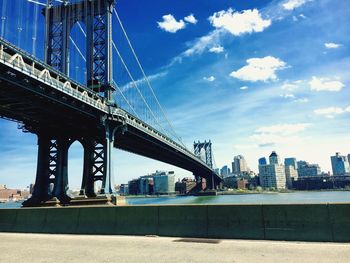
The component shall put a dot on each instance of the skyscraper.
(272, 175)
(291, 162)
(340, 164)
(274, 158)
(225, 171)
(308, 170)
(291, 174)
(239, 165)
(262, 161)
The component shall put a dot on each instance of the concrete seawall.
(305, 222)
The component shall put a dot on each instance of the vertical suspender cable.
(145, 76)
(3, 18)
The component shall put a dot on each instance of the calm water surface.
(275, 198)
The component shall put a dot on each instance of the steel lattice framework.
(97, 16)
(206, 146)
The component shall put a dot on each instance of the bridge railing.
(141, 125)
(29, 65)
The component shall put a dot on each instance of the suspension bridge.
(77, 92)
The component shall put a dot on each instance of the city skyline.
(223, 76)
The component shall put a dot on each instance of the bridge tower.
(97, 17)
(206, 146)
(51, 183)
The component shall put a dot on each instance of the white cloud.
(332, 45)
(191, 19)
(325, 84)
(170, 24)
(292, 4)
(259, 69)
(331, 112)
(210, 79)
(288, 96)
(200, 45)
(283, 129)
(301, 100)
(243, 88)
(138, 82)
(238, 23)
(290, 86)
(276, 134)
(216, 49)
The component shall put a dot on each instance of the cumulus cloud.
(279, 133)
(288, 96)
(191, 19)
(292, 4)
(210, 79)
(283, 129)
(331, 112)
(259, 69)
(290, 86)
(331, 45)
(170, 24)
(301, 100)
(216, 49)
(238, 23)
(325, 84)
(243, 88)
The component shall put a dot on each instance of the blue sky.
(252, 76)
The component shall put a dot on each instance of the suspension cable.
(76, 46)
(132, 108)
(115, 47)
(134, 83)
(145, 76)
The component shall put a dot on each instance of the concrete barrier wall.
(307, 222)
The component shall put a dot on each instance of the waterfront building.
(164, 182)
(307, 170)
(133, 186)
(242, 183)
(274, 158)
(291, 175)
(340, 164)
(124, 189)
(291, 162)
(225, 171)
(272, 176)
(262, 161)
(146, 185)
(185, 186)
(239, 165)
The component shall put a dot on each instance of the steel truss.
(97, 16)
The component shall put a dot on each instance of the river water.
(273, 198)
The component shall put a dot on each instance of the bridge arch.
(75, 166)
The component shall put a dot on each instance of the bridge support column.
(108, 176)
(61, 179)
(42, 181)
(87, 185)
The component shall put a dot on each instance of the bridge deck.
(35, 94)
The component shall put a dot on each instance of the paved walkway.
(79, 248)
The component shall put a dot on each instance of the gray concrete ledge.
(301, 222)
